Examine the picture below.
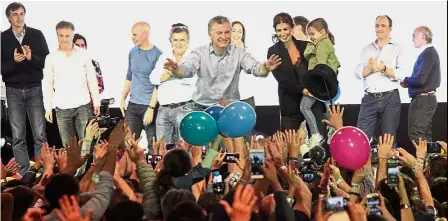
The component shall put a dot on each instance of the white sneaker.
(316, 140)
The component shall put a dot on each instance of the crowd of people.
(103, 173)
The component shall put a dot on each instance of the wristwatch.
(404, 206)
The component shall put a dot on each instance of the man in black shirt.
(23, 52)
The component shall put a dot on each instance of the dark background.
(268, 122)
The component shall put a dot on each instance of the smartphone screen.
(434, 147)
(218, 184)
(257, 160)
(392, 172)
(335, 204)
(373, 200)
(230, 157)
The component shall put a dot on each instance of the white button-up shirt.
(174, 90)
(392, 56)
(73, 79)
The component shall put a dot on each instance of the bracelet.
(86, 140)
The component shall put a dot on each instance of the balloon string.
(328, 92)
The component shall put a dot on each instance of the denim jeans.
(23, 102)
(421, 111)
(305, 107)
(384, 109)
(134, 115)
(72, 122)
(168, 122)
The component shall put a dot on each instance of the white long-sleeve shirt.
(392, 56)
(73, 79)
(174, 90)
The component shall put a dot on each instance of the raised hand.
(100, 150)
(70, 210)
(385, 146)
(244, 202)
(320, 216)
(11, 168)
(421, 148)
(74, 159)
(272, 63)
(336, 114)
(60, 156)
(135, 153)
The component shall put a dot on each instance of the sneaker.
(316, 140)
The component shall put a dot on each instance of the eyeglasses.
(81, 45)
(178, 28)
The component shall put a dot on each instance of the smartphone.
(335, 204)
(257, 160)
(392, 172)
(218, 184)
(153, 159)
(434, 147)
(230, 157)
(373, 199)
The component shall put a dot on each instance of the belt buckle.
(378, 94)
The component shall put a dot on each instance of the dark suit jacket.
(289, 82)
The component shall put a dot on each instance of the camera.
(105, 120)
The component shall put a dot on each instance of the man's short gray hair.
(426, 32)
(217, 19)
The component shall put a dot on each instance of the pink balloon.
(350, 147)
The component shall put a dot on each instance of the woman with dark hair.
(289, 74)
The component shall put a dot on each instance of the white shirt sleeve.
(48, 83)
(155, 75)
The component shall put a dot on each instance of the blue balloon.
(237, 120)
(214, 111)
(198, 128)
(328, 102)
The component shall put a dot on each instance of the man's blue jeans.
(23, 102)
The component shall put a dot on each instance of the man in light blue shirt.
(143, 59)
(381, 64)
(218, 66)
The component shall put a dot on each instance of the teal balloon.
(198, 128)
(237, 120)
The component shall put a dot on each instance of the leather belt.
(175, 105)
(380, 94)
(432, 93)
